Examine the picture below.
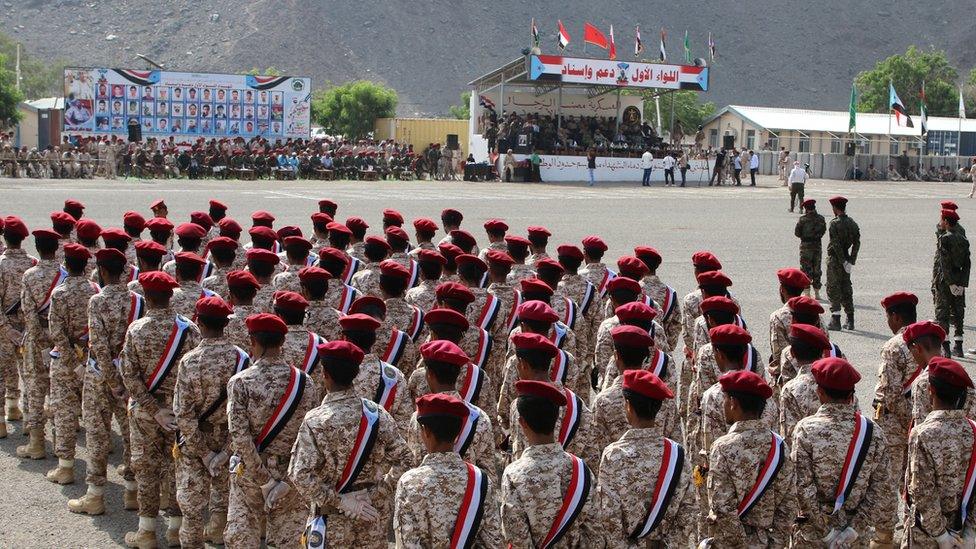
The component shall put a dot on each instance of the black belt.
(809, 240)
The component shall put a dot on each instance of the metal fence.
(838, 166)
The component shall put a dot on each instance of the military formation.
(345, 387)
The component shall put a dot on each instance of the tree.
(37, 78)
(10, 97)
(270, 71)
(462, 111)
(907, 72)
(687, 109)
(352, 108)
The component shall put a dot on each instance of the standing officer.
(810, 229)
(845, 241)
(13, 263)
(950, 278)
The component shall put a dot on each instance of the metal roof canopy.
(514, 74)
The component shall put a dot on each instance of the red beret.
(265, 322)
(262, 215)
(242, 279)
(647, 253)
(744, 381)
(631, 266)
(338, 228)
(357, 224)
(88, 229)
(645, 383)
(899, 298)
(392, 216)
(534, 342)
(319, 218)
(838, 201)
(623, 283)
(134, 220)
(160, 224)
(218, 205)
(543, 389)
(450, 251)
(535, 286)
(262, 256)
(446, 316)
(222, 243)
(948, 205)
(366, 302)
(190, 258)
(720, 304)
(729, 334)
(922, 329)
(706, 260)
(290, 301)
(202, 218)
(326, 203)
(108, 254)
(214, 306)
(498, 257)
(515, 241)
(359, 322)
(949, 371)
(299, 241)
(313, 273)
(396, 232)
(793, 278)
(190, 230)
(804, 305)
(537, 311)
(441, 404)
(377, 241)
(951, 215)
(14, 225)
(422, 224)
(496, 225)
(462, 238)
(811, 335)
(157, 204)
(713, 278)
(549, 263)
(808, 203)
(333, 253)
(341, 350)
(442, 350)
(626, 335)
(537, 231)
(570, 251)
(468, 259)
(46, 233)
(114, 234)
(451, 212)
(594, 243)
(71, 204)
(432, 256)
(157, 281)
(454, 290)
(149, 249)
(76, 251)
(835, 373)
(635, 311)
(288, 230)
(394, 269)
(230, 227)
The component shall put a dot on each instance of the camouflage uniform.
(407, 359)
(322, 319)
(236, 329)
(624, 493)
(610, 418)
(357, 250)
(423, 295)
(184, 301)
(217, 283)
(296, 349)
(152, 456)
(952, 265)
(583, 444)
(333, 296)
(603, 347)
(670, 320)
(532, 493)
(37, 340)
(252, 397)
(921, 404)
(322, 449)
(481, 450)
(506, 391)
(506, 297)
(369, 379)
(519, 272)
(711, 424)
(69, 335)
(845, 241)
(810, 229)
(577, 287)
(13, 264)
(427, 500)
(486, 399)
(819, 450)
(201, 387)
(798, 399)
(287, 281)
(892, 407)
(264, 299)
(367, 280)
(768, 524)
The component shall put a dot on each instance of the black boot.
(957, 349)
(850, 322)
(945, 350)
(834, 323)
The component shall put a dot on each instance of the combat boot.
(92, 503)
(850, 322)
(34, 449)
(141, 539)
(946, 352)
(214, 531)
(130, 497)
(816, 294)
(13, 410)
(63, 474)
(957, 349)
(834, 323)
(173, 531)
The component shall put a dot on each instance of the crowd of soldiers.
(331, 388)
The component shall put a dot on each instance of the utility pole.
(17, 68)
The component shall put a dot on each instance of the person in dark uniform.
(845, 241)
(810, 229)
(950, 277)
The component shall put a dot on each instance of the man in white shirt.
(797, 179)
(669, 163)
(753, 166)
(647, 162)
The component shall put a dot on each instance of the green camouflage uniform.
(951, 268)
(810, 229)
(845, 240)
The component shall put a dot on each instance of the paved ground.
(748, 228)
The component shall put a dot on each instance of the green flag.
(852, 122)
(687, 49)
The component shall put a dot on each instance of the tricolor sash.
(740, 322)
(833, 352)
(658, 363)
(513, 313)
(346, 298)
(387, 389)
(133, 273)
(906, 388)
(770, 468)
(968, 484)
(472, 509)
(573, 501)
(489, 312)
(207, 270)
(483, 283)
(471, 385)
(648, 300)
(560, 367)
(59, 279)
(608, 275)
(354, 265)
(572, 417)
(484, 348)
(137, 307)
(670, 302)
(361, 448)
(569, 314)
(589, 293)
(749, 362)
(311, 259)
(469, 426)
(241, 361)
(857, 452)
(416, 323)
(668, 479)
(559, 333)
(171, 353)
(311, 357)
(286, 407)
(414, 270)
(394, 349)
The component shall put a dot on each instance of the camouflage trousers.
(65, 404)
(245, 513)
(152, 463)
(949, 309)
(810, 263)
(197, 492)
(839, 289)
(98, 405)
(37, 380)
(10, 360)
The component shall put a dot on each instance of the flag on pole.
(687, 48)
(638, 45)
(563, 36)
(664, 51)
(923, 112)
(711, 49)
(852, 111)
(962, 104)
(535, 34)
(592, 35)
(895, 104)
(613, 46)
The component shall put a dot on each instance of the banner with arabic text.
(604, 72)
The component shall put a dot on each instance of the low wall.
(573, 168)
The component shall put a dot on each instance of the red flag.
(592, 35)
(563, 36)
(613, 47)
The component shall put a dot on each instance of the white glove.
(205, 460)
(277, 492)
(357, 506)
(829, 538)
(957, 290)
(848, 267)
(844, 539)
(969, 538)
(705, 543)
(165, 418)
(218, 463)
(948, 540)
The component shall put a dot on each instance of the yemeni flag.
(687, 49)
(563, 36)
(535, 34)
(895, 104)
(852, 110)
(639, 46)
(664, 51)
(592, 35)
(923, 116)
(613, 46)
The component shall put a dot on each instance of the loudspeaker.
(728, 141)
(452, 141)
(135, 133)
(849, 148)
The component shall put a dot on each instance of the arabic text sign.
(605, 72)
(574, 168)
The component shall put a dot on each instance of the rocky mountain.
(774, 53)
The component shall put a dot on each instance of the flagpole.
(891, 85)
